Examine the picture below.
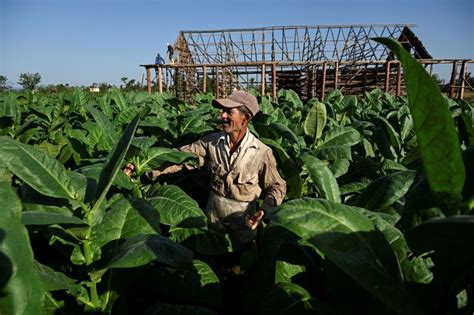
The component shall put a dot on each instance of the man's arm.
(274, 188)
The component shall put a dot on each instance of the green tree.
(3, 83)
(29, 81)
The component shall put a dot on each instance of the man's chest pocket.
(246, 183)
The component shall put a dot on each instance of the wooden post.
(462, 79)
(216, 76)
(399, 79)
(313, 81)
(323, 87)
(452, 83)
(336, 74)
(148, 80)
(160, 79)
(204, 78)
(263, 79)
(274, 84)
(387, 76)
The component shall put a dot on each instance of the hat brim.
(226, 103)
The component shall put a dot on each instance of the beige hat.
(237, 99)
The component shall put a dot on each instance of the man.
(240, 167)
(170, 51)
(159, 60)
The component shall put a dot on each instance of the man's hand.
(128, 170)
(253, 221)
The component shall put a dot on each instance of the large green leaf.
(126, 218)
(415, 269)
(288, 167)
(198, 285)
(154, 157)
(286, 133)
(142, 249)
(385, 190)
(107, 128)
(48, 218)
(315, 121)
(286, 298)
(350, 240)
(114, 159)
(52, 280)
(21, 291)
(41, 171)
(337, 136)
(176, 208)
(322, 178)
(207, 241)
(437, 138)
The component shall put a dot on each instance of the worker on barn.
(170, 51)
(241, 168)
(159, 60)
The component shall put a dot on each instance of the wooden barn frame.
(312, 60)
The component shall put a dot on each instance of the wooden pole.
(160, 80)
(387, 76)
(263, 79)
(313, 81)
(204, 78)
(148, 80)
(217, 81)
(399, 79)
(462, 79)
(336, 75)
(452, 83)
(323, 87)
(274, 84)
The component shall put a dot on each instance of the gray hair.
(244, 111)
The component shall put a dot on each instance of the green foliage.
(365, 220)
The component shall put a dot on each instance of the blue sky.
(81, 42)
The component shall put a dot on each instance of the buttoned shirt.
(242, 175)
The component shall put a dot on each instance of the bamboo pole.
(148, 80)
(452, 83)
(204, 78)
(263, 79)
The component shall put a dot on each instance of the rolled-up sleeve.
(274, 186)
(198, 148)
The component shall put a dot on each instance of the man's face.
(232, 120)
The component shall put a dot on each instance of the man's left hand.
(254, 220)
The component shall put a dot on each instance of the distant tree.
(3, 83)
(29, 81)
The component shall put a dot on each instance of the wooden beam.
(399, 79)
(160, 80)
(148, 80)
(336, 75)
(216, 76)
(204, 78)
(462, 79)
(452, 83)
(323, 87)
(387, 77)
(263, 80)
(274, 84)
